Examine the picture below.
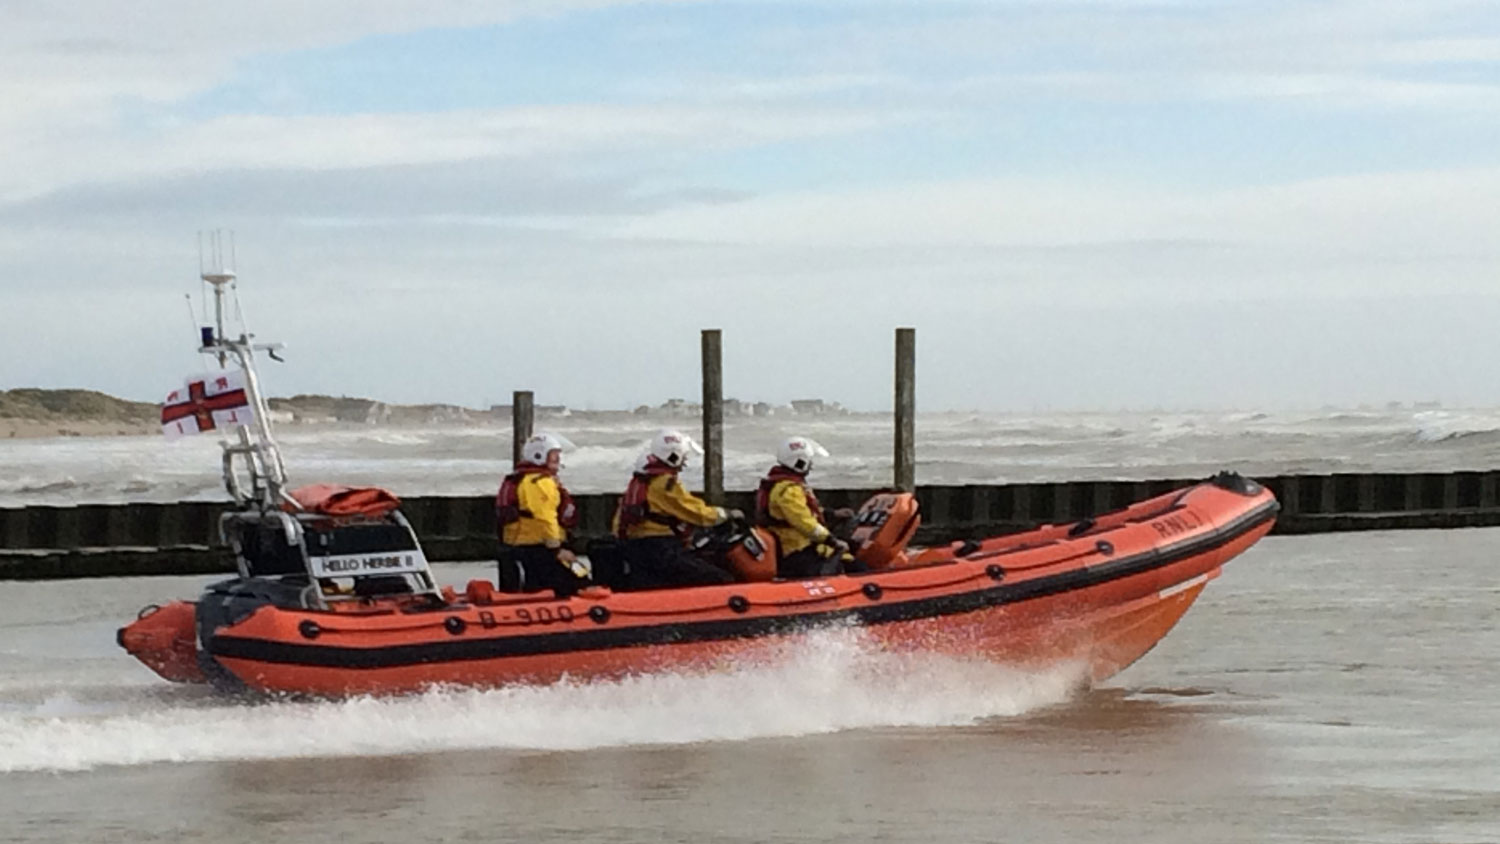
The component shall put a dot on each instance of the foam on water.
(952, 448)
(836, 681)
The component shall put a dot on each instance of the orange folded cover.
(338, 500)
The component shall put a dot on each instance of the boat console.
(330, 560)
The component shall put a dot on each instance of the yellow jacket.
(539, 496)
(793, 521)
(667, 498)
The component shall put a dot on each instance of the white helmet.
(797, 454)
(536, 449)
(673, 448)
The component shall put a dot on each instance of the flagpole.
(262, 456)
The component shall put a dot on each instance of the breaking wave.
(951, 449)
(1478, 437)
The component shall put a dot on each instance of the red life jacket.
(508, 502)
(635, 507)
(778, 474)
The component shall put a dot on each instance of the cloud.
(89, 54)
(554, 134)
(70, 73)
(806, 173)
(1386, 214)
(73, 76)
(474, 191)
(1350, 54)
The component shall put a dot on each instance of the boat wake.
(837, 681)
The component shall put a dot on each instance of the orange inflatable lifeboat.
(1098, 593)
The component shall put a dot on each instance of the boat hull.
(1095, 595)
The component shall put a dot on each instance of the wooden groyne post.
(713, 416)
(522, 416)
(906, 409)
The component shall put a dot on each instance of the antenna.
(239, 310)
(187, 299)
(219, 274)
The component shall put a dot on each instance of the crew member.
(533, 512)
(657, 514)
(786, 504)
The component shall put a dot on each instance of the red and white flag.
(207, 403)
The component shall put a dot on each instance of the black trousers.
(809, 562)
(660, 562)
(806, 563)
(534, 568)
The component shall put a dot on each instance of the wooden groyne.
(102, 540)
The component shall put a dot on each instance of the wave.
(836, 681)
(1481, 436)
(25, 487)
(958, 448)
(399, 438)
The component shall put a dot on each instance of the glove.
(843, 513)
(840, 547)
(571, 562)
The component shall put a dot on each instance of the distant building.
(504, 411)
(818, 407)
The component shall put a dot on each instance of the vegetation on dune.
(65, 406)
(73, 405)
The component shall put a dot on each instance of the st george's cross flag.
(207, 403)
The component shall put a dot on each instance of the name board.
(359, 565)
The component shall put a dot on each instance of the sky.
(1078, 204)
